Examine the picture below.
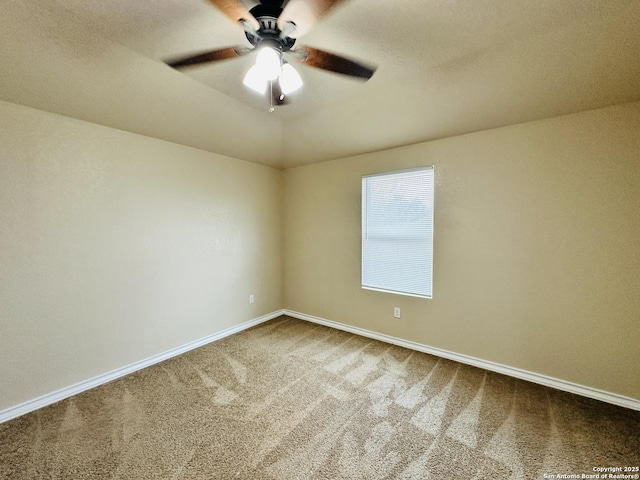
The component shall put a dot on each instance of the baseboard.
(58, 395)
(53, 397)
(556, 383)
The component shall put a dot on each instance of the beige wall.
(537, 247)
(115, 247)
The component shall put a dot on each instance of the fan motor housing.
(267, 17)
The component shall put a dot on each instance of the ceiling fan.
(272, 28)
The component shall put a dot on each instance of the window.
(397, 232)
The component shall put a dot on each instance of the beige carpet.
(294, 400)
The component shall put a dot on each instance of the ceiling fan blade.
(304, 14)
(332, 62)
(205, 57)
(235, 11)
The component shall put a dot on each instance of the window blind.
(397, 232)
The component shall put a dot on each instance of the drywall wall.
(536, 248)
(115, 247)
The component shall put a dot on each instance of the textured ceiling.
(445, 67)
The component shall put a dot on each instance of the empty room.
(319, 239)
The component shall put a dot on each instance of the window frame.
(428, 237)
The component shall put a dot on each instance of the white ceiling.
(445, 67)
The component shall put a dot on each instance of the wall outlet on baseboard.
(396, 312)
(251, 299)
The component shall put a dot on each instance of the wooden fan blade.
(205, 57)
(332, 62)
(304, 14)
(235, 11)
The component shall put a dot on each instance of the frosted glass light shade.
(268, 68)
(290, 79)
(268, 61)
(255, 80)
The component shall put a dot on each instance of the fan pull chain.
(272, 108)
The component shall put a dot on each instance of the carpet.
(293, 400)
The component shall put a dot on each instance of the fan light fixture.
(290, 79)
(272, 27)
(269, 67)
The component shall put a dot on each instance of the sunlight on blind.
(397, 232)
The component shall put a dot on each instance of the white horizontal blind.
(397, 232)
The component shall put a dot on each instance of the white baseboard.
(58, 395)
(477, 362)
(53, 397)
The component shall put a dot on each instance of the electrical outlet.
(396, 312)
(251, 299)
